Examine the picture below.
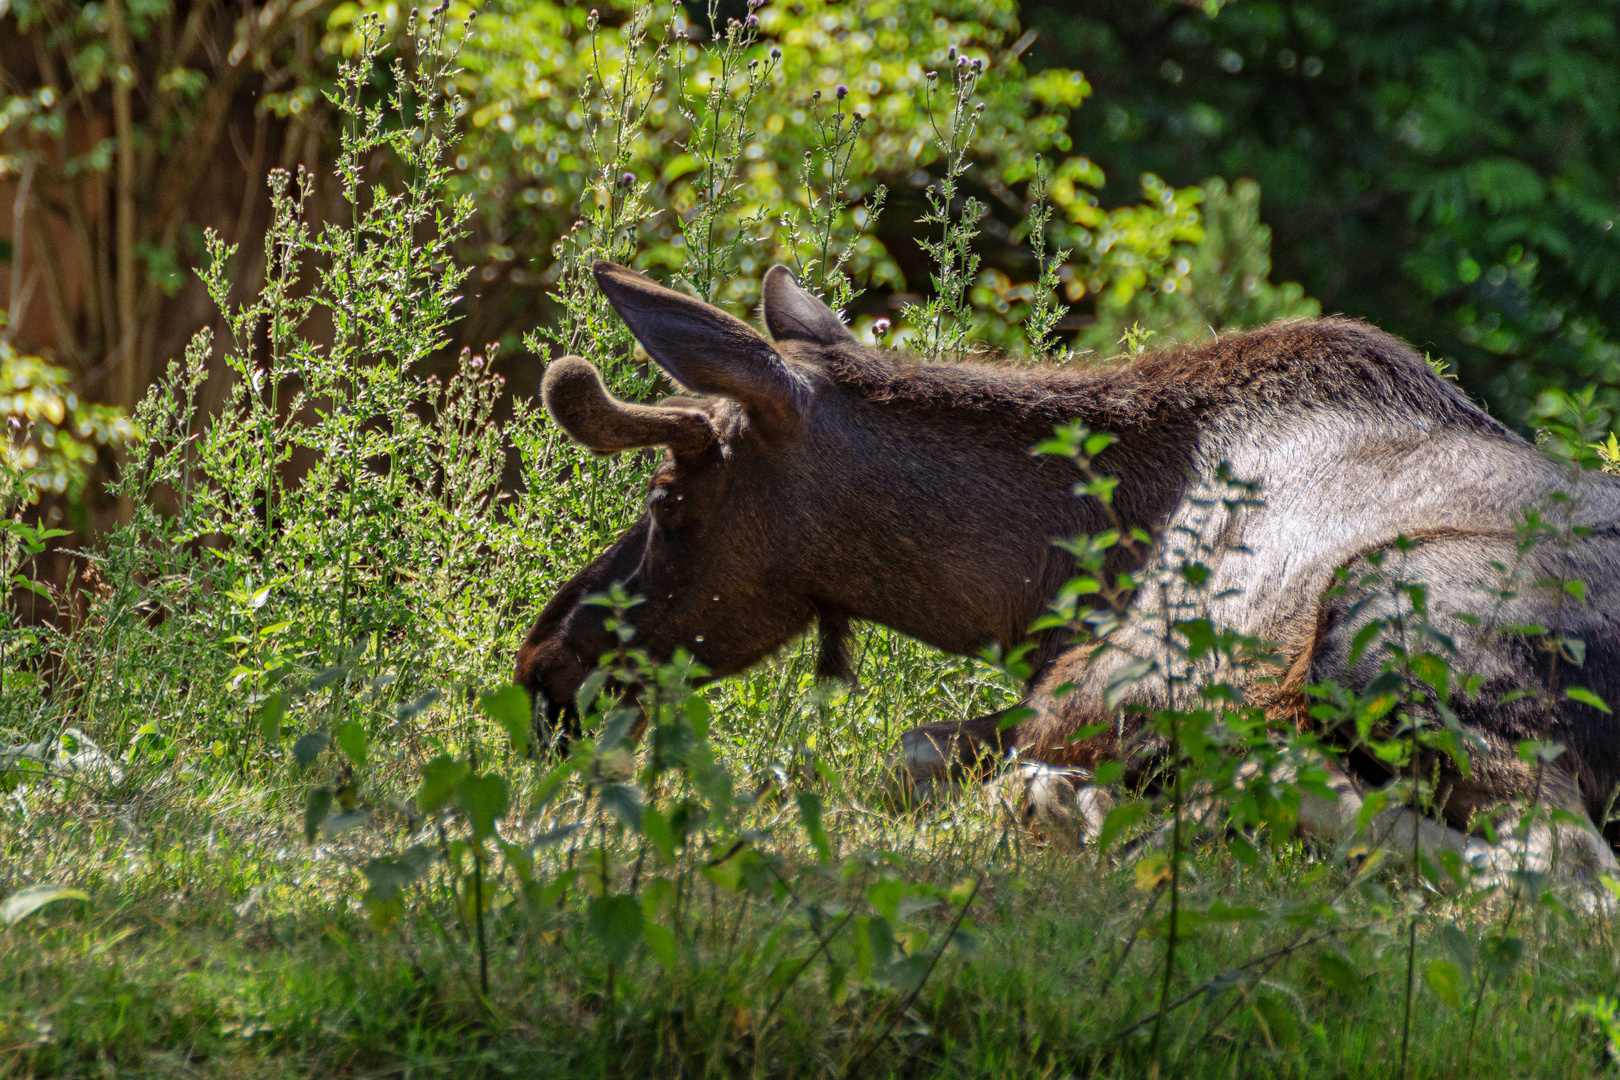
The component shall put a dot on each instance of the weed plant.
(271, 806)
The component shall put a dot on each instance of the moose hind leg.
(936, 757)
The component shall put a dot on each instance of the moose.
(819, 481)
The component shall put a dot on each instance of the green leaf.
(623, 801)
(1278, 1017)
(439, 779)
(810, 817)
(24, 902)
(1445, 979)
(316, 805)
(387, 875)
(885, 895)
(617, 922)
(509, 707)
(351, 739)
(1118, 820)
(272, 710)
(660, 941)
(1338, 973)
(308, 748)
(327, 677)
(484, 800)
(1586, 697)
(656, 828)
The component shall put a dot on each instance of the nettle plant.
(1217, 766)
(338, 527)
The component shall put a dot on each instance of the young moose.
(819, 480)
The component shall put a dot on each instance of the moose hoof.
(1054, 804)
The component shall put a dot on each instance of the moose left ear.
(705, 349)
(791, 314)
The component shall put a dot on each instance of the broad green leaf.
(308, 748)
(885, 895)
(509, 707)
(1118, 820)
(271, 712)
(1277, 1014)
(617, 922)
(327, 677)
(1586, 697)
(387, 875)
(1445, 979)
(316, 805)
(810, 817)
(439, 779)
(351, 739)
(623, 801)
(656, 828)
(24, 902)
(660, 941)
(1151, 870)
(484, 800)
(1338, 973)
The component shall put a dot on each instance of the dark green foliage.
(1446, 170)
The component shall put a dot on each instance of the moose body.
(823, 481)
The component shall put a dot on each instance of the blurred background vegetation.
(1447, 170)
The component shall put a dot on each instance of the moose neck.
(944, 523)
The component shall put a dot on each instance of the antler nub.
(580, 403)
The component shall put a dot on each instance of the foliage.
(1444, 170)
(51, 436)
(1222, 282)
(805, 77)
(117, 120)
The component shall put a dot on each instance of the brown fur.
(834, 482)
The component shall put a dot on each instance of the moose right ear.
(792, 314)
(705, 349)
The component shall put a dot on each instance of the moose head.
(803, 487)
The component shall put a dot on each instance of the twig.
(1275, 954)
(824, 942)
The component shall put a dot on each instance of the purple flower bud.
(951, 56)
(880, 327)
(627, 179)
(752, 22)
(776, 54)
(842, 91)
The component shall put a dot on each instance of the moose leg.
(936, 756)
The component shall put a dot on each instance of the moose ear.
(575, 397)
(792, 314)
(705, 349)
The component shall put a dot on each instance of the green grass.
(217, 943)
